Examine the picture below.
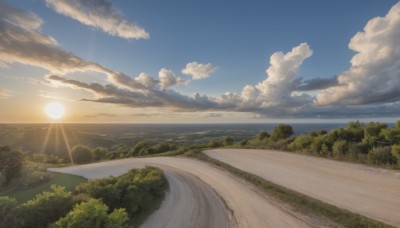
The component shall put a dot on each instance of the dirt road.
(372, 192)
(193, 202)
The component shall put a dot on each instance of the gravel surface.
(372, 192)
(193, 199)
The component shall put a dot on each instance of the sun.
(54, 110)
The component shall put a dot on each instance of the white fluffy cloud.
(99, 14)
(374, 75)
(146, 80)
(277, 91)
(199, 70)
(169, 79)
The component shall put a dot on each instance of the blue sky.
(236, 38)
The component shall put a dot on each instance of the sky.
(227, 61)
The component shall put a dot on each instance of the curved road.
(193, 200)
(372, 192)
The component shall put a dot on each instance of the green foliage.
(214, 143)
(301, 143)
(243, 143)
(263, 135)
(35, 178)
(282, 131)
(339, 148)
(319, 145)
(93, 213)
(391, 135)
(397, 125)
(140, 149)
(381, 156)
(81, 154)
(134, 191)
(8, 212)
(396, 153)
(227, 141)
(46, 208)
(10, 162)
(374, 129)
(100, 153)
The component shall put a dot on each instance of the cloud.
(281, 76)
(198, 70)
(100, 14)
(374, 75)
(4, 94)
(169, 79)
(146, 80)
(21, 41)
(318, 84)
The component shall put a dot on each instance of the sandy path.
(372, 192)
(250, 209)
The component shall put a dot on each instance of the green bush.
(134, 191)
(339, 148)
(34, 178)
(10, 162)
(93, 213)
(396, 152)
(81, 154)
(8, 212)
(46, 208)
(282, 131)
(381, 156)
(301, 143)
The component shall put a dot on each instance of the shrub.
(81, 154)
(339, 148)
(301, 143)
(10, 162)
(228, 141)
(282, 131)
(34, 178)
(381, 156)
(396, 152)
(93, 213)
(46, 208)
(8, 215)
(263, 135)
(133, 191)
(100, 153)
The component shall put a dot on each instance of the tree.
(397, 125)
(282, 131)
(214, 143)
(100, 153)
(93, 214)
(46, 208)
(81, 154)
(392, 135)
(228, 140)
(8, 215)
(396, 153)
(10, 162)
(302, 142)
(381, 156)
(339, 148)
(263, 135)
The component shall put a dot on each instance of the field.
(66, 180)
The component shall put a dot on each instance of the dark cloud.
(317, 84)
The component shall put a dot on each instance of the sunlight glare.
(54, 110)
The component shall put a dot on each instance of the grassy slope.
(65, 180)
